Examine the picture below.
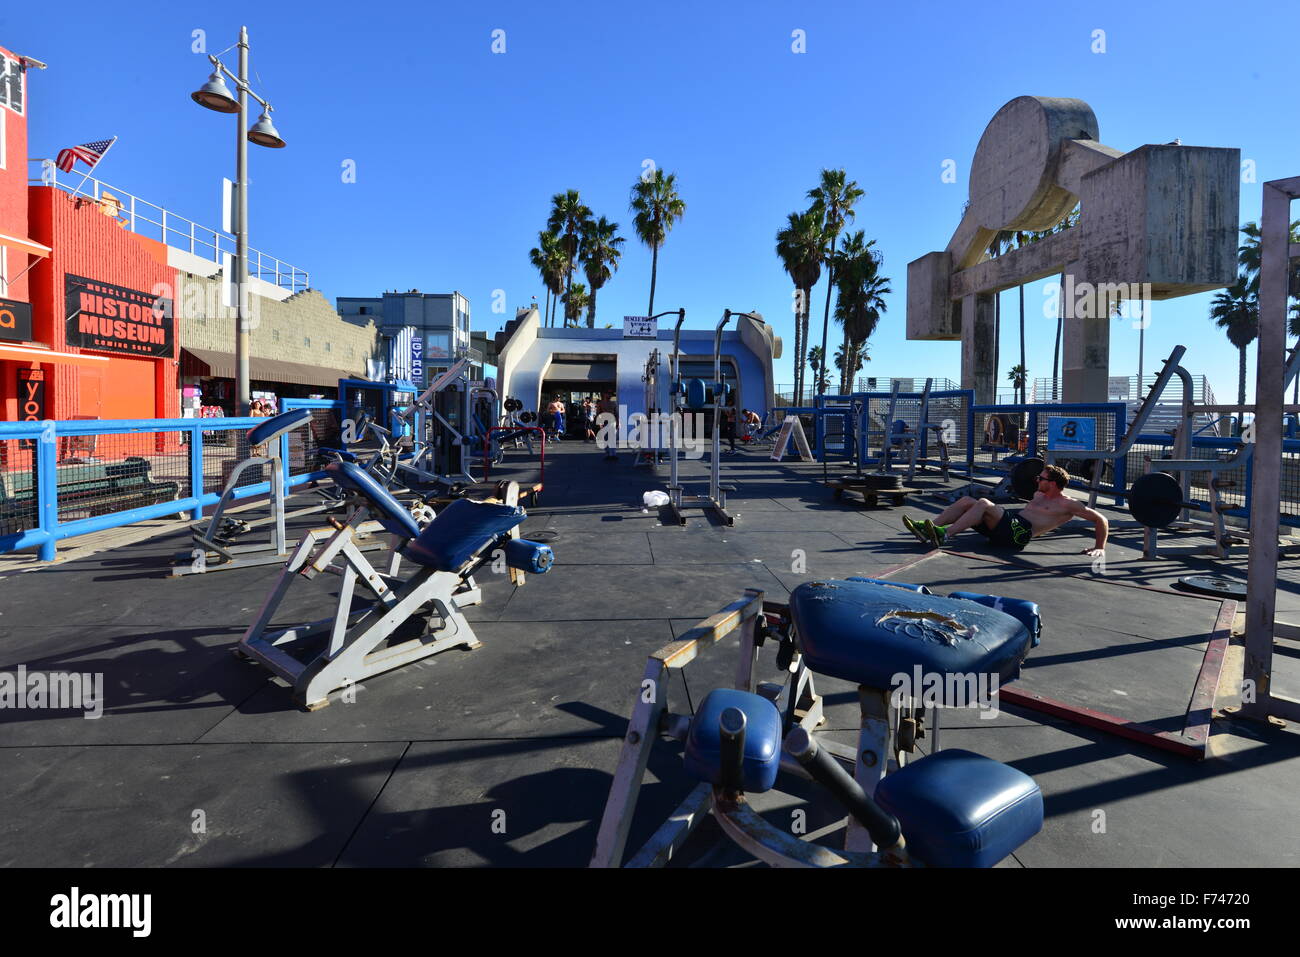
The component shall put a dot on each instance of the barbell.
(513, 405)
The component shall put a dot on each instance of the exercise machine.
(360, 644)
(952, 808)
(215, 545)
(693, 397)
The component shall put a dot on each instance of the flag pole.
(97, 162)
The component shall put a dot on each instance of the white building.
(533, 361)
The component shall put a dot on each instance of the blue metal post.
(196, 470)
(47, 485)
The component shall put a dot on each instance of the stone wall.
(303, 328)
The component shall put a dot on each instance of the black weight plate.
(881, 481)
(513, 405)
(1024, 477)
(526, 417)
(1155, 499)
(1215, 585)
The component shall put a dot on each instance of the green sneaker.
(920, 529)
(938, 534)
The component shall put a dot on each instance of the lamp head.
(264, 133)
(215, 96)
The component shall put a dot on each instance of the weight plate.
(1156, 499)
(526, 417)
(1215, 585)
(1024, 478)
(513, 405)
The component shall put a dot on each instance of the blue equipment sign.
(1064, 435)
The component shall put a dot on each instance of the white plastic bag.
(655, 499)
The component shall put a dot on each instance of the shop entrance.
(575, 379)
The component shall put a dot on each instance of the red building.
(87, 312)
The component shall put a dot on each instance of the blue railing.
(39, 444)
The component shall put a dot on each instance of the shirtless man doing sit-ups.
(1049, 510)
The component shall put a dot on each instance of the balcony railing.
(155, 222)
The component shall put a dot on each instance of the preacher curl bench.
(446, 553)
(950, 809)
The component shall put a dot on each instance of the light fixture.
(264, 133)
(215, 96)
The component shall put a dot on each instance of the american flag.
(88, 153)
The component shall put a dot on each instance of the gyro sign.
(116, 319)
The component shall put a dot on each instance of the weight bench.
(216, 535)
(950, 809)
(446, 554)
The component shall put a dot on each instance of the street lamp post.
(215, 96)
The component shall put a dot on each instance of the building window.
(362, 311)
(329, 347)
(275, 335)
(306, 340)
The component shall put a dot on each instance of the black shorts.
(1011, 532)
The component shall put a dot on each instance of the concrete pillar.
(1085, 346)
(977, 371)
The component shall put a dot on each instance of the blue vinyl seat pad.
(462, 530)
(762, 754)
(959, 809)
(277, 425)
(389, 512)
(529, 556)
(1025, 612)
(870, 633)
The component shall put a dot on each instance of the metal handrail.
(191, 235)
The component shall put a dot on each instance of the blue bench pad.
(959, 809)
(277, 425)
(389, 512)
(461, 531)
(868, 633)
(762, 757)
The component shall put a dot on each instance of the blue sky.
(458, 150)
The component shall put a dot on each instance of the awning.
(221, 365)
(27, 354)
(570, 371)
(31, 247)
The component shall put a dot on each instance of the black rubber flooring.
(503, 756)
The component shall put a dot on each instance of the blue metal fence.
(52, 470)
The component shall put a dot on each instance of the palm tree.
(568, 219)
(799, 247)
(819, 373)
(858, 356)
(834, 199)
(575, 300)
(1236, 311)
(1248, 256)
(549, 260)
(1018, 376)
(861, 298)
(1071, 219)
(600, 255)
(657, 207)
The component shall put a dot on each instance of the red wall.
(87, 243)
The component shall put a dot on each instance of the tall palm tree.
(548, 259)
(861, 298)
(1018, 376)
(818, 367)
(657, 207)
(858, 355)
(834, 198)
(1236, 311)
(600, 254)
(799, 247)
(1248, 256)
(575, 300)
(568, 219)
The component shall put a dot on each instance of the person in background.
(609, 405)
(729, 425)
(589, 419)
(752, 422)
